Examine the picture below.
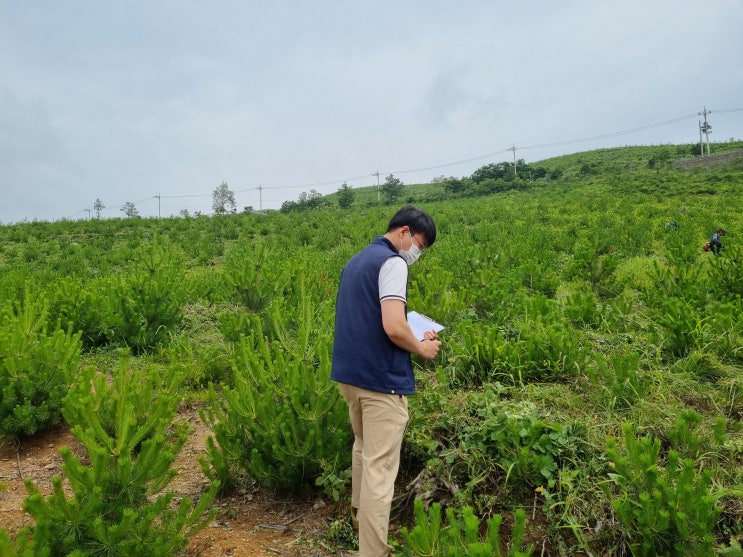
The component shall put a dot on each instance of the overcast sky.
(125, 101)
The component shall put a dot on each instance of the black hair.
(418, 221)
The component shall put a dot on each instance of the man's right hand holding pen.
(430, 345)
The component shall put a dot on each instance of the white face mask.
(410, 256)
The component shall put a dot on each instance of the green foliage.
(725, 321)
(684, 439)
(342, 532)
(236, 322)
(478, 353)
(345, 196)
(21, 547)
(595, 262)
(663, 509)
(254, 270)
(460, 535)
(117, 505)
(685, 326)
(549, 351)
(392, 189)
(147, 300)
(284, 423)
(536, 350)
(677, 279)
(201, 350)
(334, 481)
(621, 379)
(727, 272)
(83, 308)
(733, 550)
(581, 308)
(675, 298)
(439, 288)
(36, 365)
(493, 171)
(513, 437)
(705, 366)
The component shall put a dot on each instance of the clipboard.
(421, 323)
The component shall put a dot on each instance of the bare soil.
(249, 524)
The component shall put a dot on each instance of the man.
(371, 362)
(715, 244)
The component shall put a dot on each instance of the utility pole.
(513, 148)
(87, 209)
(701, 142)
(377, 175)
(704, 128)
(158, 204)
(260, 197)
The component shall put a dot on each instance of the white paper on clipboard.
(421, 323)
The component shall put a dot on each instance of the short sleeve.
(393, 279)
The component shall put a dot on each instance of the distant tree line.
(488, 179)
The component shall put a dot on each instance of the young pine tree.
(118, 504)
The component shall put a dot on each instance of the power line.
(472, 159)
(607, 135)
(611, 134)
(187, 195)
(489, 155)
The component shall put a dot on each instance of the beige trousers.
(378, 421)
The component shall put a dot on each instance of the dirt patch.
(714, 160)
(248, 524)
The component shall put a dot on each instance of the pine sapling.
(118, 504)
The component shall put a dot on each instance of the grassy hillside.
(634, 168)
(592, 357)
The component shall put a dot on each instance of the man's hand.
(429, 347)
(396, 326)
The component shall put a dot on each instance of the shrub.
(663, 510)
(250, 269)
(36, 366)
(147, 300)
(685, 328)
(547, 351)
(581, 307)
(594, 261)
(284, 423)
(621, 379)
(81, 308)
(727, 272)
(118, 506)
